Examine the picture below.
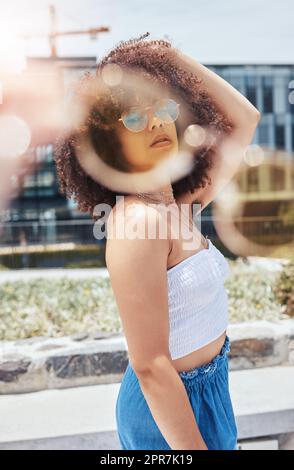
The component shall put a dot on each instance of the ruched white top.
(198, 301)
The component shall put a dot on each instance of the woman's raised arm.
(241, 113)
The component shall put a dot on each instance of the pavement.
(27, 274)
(84, 417)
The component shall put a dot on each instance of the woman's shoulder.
(132, 208)
(132, 225)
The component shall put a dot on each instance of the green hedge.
(284, 288)
(58, 307)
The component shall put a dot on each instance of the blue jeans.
(208, 390)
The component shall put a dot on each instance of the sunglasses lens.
(135, 120)
(167, 110)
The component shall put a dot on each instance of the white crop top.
(198, 301)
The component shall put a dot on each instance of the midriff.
(200, 356)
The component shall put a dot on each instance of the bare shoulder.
(133, 228)
(137, 271)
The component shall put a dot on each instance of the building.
(269, 87)
(40, 211)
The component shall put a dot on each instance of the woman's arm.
(243, 116)
(137, 269)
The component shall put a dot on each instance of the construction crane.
(53, 34)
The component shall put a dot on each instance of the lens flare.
(15, 136)
(112, 74)
(12, 51)
(254, 155)
(195, 135)
(254, 213)
(96, 120)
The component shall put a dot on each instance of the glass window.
(50, 191)
(237, 82)
(267, 87)
(41, 179)
(280, 136)
(263, 130)
(44, 153)
(29, 181)
(45, 178)
(30, 214)
(290, 95)
(250, 89)
(30, 192)
(49, 153)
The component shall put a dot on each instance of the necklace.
(165, 197)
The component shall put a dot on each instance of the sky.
(212, 31)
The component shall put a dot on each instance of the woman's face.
(137, 146)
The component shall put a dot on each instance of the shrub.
(284, 288)
(55, 307)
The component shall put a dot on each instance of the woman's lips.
(163, 143)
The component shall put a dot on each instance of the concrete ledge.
(84, 417)
(43, 363)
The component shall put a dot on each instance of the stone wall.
(42, 362)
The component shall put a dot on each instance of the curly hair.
(157, 60)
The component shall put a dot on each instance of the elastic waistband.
(208, 370)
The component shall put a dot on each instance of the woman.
(172, 301)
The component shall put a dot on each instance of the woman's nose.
(153, 120)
